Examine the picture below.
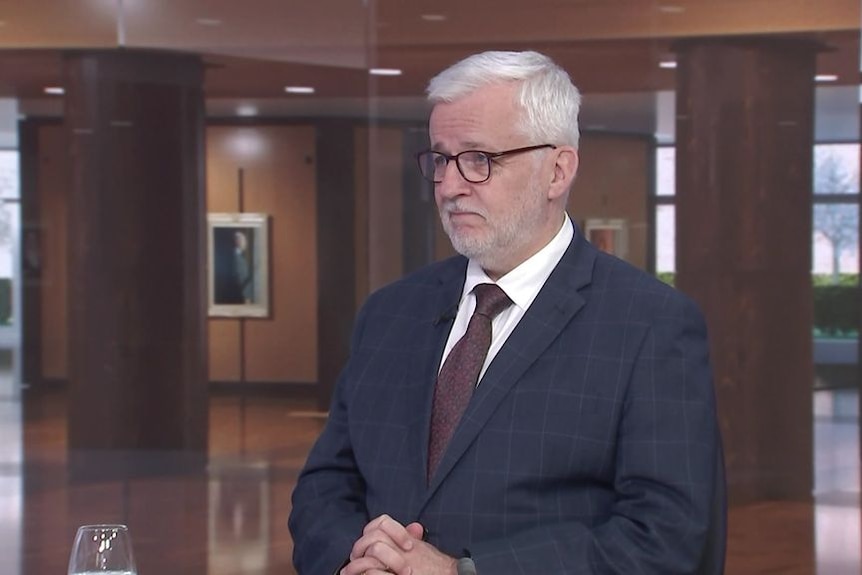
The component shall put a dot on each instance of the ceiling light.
(667, 64)
(55, 90)
(208, 22)
(671, 9)
(434, 17)
(299, 89)
(246, 110)
(384, 72)
(825, 78)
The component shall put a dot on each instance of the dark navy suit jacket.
(589, 445)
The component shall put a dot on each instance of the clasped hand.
(388, 547)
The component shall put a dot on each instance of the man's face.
(505, 220)
(239, 241)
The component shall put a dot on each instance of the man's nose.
(452, 183)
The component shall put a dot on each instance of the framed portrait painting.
(238, 281)
(609, 235)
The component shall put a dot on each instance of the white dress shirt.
(522, 285)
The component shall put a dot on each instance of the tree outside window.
(836, 223)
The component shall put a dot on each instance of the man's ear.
(565, 169)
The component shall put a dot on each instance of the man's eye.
(476, 159)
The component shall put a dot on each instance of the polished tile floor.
(231, 518)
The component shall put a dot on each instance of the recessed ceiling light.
(208, 22)
(55, 90)
(671, 9)
(384, 72)
(246, 110)
(667, 64)
(434, 17)
(299, 89)
(825, 78)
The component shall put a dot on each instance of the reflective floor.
(230, 518)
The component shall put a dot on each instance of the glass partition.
(309, 115)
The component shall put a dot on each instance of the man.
(589, 443)
(243, 269)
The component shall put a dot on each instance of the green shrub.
(5, 301)
(836, 305)
(836, 311)
(666, 277)
(849, 280)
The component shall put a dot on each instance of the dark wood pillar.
(31, 254)
(137, 363)
(420, 210)
(336, 264)
(744, 170)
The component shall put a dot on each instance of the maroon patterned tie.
(460, 371)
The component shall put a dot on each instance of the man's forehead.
(468, 125)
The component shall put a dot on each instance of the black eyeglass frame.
(488, 156)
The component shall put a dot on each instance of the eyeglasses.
(474, 165)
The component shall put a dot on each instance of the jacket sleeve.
(328, 504)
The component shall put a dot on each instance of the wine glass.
(102, 549)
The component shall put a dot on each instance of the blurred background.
(719, 151)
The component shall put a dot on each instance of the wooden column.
(744, 171)
(31, 254)
(336, 264)
(137, 364)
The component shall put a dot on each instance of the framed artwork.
(238, 281)
(610, 236)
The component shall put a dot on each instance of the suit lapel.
(443, 309)
(554, 307)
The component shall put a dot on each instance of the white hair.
(547, 96)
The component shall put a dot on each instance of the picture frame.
(238, 265)
(608, 235)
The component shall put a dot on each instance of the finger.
(375, 523)
(416, 530)
(392, 558)
(385, 529)
(362, 544)
(397, 533)
(362, 566)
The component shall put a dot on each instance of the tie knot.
(490, 300)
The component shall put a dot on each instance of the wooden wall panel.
(385, 207)
(278, 164)
(613, 182)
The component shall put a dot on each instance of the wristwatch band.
(466, 566)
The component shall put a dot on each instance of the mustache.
(450, 206)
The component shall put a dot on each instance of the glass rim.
(103, 526)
